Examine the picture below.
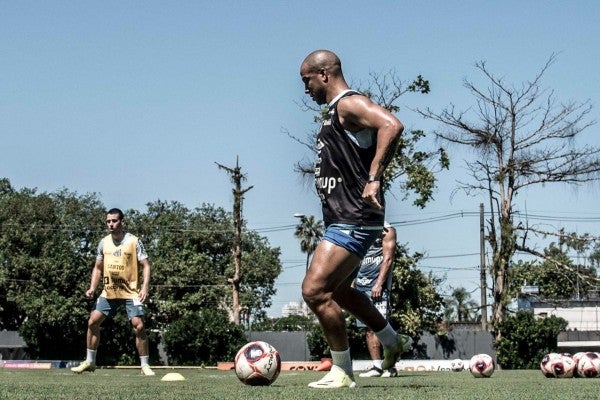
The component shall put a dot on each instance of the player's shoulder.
(131, 238)
(353, 97)
(355, 105)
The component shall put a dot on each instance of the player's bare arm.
(143, 295)
(389, 249)
(359, 112)
(95, 279)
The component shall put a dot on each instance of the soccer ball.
(577, 356)
(482, 366)
(546, 364)
(562, 365)
(257, 364)
(457, 365)
(588, 365)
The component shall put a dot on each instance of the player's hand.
(376, 292)
(370, 193)
(89, 293)
(143, 295)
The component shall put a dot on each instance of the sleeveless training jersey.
(370, 267)
(342, 169)
(120, 275)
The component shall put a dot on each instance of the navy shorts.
(355, 239)
(109, 307)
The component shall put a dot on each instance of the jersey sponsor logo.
(327, 183)
(115, 267)
(117, 253)
(372, 260)
(116, 281)
(363, 281)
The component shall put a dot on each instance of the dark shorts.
(109, 307)
(355, 239)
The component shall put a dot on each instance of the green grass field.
(116, 384)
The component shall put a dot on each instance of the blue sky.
(137, 100)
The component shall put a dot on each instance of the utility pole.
(482, 275)
(238, 197)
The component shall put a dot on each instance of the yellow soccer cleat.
(84, 366)
(335, 378)
(147, 371)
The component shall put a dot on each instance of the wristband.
(372, 178)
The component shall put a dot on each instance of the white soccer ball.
(457, 365)
(546, 364)
(577, 356)
(562, 366)
(588, 365)
(482, 365)
(257, 364)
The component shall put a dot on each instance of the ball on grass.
(257, 364)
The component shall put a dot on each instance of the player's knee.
(138, 326)
(313, 296)
(94, 323)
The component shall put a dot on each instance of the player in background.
(118, 257)
(375, 280)
(357, 140)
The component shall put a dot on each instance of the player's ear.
(323, 74)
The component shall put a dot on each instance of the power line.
(451, 256)
(279, 228)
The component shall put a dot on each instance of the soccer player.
(375, 280)
(118, 257)
(356, 142)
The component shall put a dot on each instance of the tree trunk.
(502, 256)
(238, 198)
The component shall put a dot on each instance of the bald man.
(356, 142)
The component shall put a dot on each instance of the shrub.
(525, 339)
(203, 338)
(319, 348)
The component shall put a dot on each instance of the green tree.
(203, 338)
(522, 138)
(309, 231)
(594, 256)
(527, 339)
(192, 260)
(461, 308)
(556, 276)
(416, 303)
(47, 247)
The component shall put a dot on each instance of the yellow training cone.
(173, 376)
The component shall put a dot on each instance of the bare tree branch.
(522, 137)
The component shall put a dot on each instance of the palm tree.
(464, 306)
(310, 232)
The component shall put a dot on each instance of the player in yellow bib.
(118, 257)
